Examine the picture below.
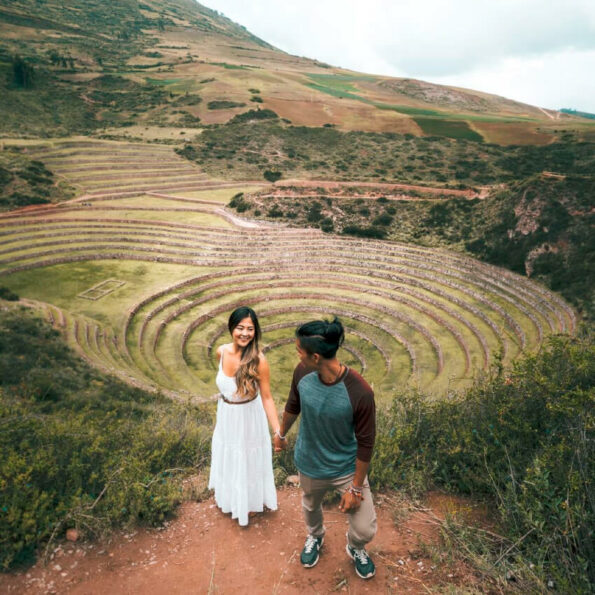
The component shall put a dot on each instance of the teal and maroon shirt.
(338, 422)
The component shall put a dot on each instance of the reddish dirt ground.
(204, 551)
(383, 186)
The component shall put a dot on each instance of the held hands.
(279, 442)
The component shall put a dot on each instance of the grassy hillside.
(79, 448)
(25, 181)
(163, 56)
(539, 224)
(245, 149)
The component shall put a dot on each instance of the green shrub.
(239, 203)
(383, 219)
(223, 104)
(365, 232)
(275, 212)
(80, 449)
(272, 176)
(327, 225)
(260, 114)
(525, 441)
(8, 295)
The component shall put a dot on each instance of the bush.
(275, 212)
(239, 203)
(8, 295)
(383, 219)
(327, 225)
(272, 176)
(365, 232)
(80, 449)
(260, 114)
(314, 213)
(223, 104)
(524, 440)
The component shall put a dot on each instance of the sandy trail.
(204, 551)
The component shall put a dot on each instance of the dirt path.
(331, 185)
(554, 116)
(204, 551)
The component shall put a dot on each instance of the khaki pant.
(362, 521)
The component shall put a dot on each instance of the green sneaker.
(310, 554)
(364, 567)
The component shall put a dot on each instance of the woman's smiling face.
(243, 333)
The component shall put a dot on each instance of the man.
(335, 440)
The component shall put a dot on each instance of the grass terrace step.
(411, 313)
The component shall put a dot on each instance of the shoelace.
(310, 543)
(361, 555)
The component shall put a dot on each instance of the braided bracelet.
(278, 433)
(356, 491)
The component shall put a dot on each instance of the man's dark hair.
(321, 336)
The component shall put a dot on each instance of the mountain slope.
(188, 65)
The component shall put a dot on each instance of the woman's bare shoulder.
(220, 350)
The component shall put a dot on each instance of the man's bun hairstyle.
(321, 336)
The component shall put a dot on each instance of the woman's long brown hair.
(247, 374)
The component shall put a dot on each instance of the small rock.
(57, 567)
(293, 480)
(550, 584)
(72, 535)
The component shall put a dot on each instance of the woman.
(241, 458)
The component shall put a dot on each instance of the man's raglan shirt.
(338, 422)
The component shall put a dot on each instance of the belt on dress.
(239, 402)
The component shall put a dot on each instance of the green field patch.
(222, 195)
(163, 82)
(229, 66)
(61, 284)
(341, 93)
(449, 128)
(187, 217)
(341, 87)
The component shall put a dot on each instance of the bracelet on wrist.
(278, 433)
(358, 492)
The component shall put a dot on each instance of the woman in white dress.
(241, 453)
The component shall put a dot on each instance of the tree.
(22, 73)
(272, 176)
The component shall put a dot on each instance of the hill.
(89, 65)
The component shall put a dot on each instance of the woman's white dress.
(241, 454)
